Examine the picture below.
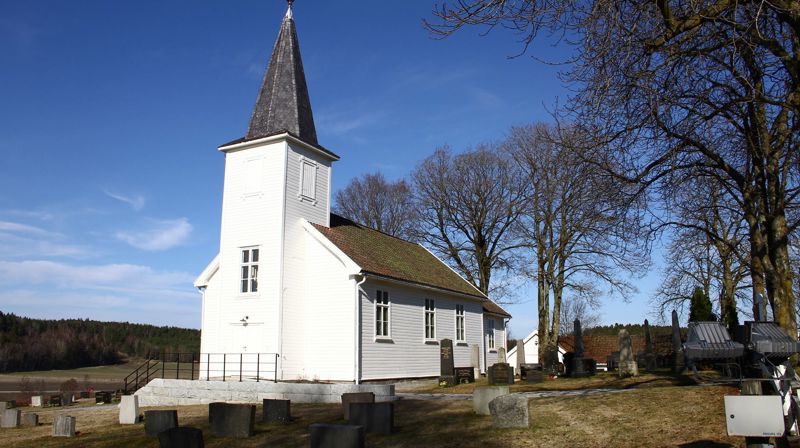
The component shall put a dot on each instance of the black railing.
(205, 367)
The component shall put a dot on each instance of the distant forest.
(36, 344)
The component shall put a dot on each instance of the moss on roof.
(384, 255)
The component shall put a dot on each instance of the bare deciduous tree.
(662, 82)
(468, 204)
(580, 223)
(377, 203)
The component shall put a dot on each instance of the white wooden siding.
(407, 355)
(251, 216)
(299, 277)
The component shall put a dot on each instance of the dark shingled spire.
(283, 103)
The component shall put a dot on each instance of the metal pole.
(192, 366)
(178, 368)
(163, 366)
(208, 366)
(224, 364)
(276, 367)
(258, 366)
(241, 355)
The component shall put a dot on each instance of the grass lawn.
(647, 416)
(109, 372)
(603, 380)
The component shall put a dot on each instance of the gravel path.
(540, 394)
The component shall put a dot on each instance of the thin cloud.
(160, 235)
(137, 202)
(123, 278)
(15, 227)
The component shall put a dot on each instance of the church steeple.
(283, 103)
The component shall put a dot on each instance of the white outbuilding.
(298, 293)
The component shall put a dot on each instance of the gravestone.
(55, 400)
(475, 359)
(10, 418)
(374, 417)
(627, 365)
(7, 405)
(129, 410)
(36, 401)
(578, 370)
(84, 394)
(483, 395)
(501, 354)
(500, 373)
(181, 437)
(465, 375)
(520, 355)
(550, 361)
(446, 363)
(157, 421)
(533, 374)
(355, 397)
(102, 397)
(63, 426)
(30, 419)
(233, 420)
(647, 359)
(510, 411)
(67, 399)
(336, 436)
(276, 411)
(678, 364)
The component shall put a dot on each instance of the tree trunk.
(780, 278)
(543, 299)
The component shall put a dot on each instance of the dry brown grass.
(664, 416)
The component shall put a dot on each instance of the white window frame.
(461, 317)
(429, 319)
(490, 340)
(304, 162)
(383, 305)
(248, 284)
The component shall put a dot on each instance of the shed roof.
(387, 256)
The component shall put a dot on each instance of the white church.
(313, 295)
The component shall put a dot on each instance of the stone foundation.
(166, 392)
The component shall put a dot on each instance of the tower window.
(308, 181)
(249, 270)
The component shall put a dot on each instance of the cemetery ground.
(654, 410)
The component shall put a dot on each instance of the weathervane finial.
(289, 10)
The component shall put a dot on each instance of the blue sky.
(111, 113)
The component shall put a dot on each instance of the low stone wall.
(166, 392)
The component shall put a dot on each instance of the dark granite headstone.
(678, 364)
(355, 397)
(55, 400)
(446, 372)
(181, 437)
(30, 419)
(577, 361)
(550, 361)
(336, 436)
(464, 375)
(103, 397)
(84, 394)
(232, 420)
(500, 373)
(524, 369)
(157, 421)
(374, 417)
(276, 411)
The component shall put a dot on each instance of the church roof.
(387, 256)
(283, 102)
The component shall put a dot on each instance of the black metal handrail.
(204, 366)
